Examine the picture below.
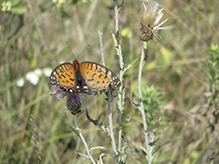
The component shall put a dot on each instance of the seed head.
(150, 17)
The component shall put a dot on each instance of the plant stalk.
(82, 139)
(119, 53)
(145, 126)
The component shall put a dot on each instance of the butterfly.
(86, 77)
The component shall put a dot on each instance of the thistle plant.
(150, 17)
(73, 104)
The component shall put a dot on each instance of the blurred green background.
(32, 42)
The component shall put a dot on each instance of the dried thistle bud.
(149, 20)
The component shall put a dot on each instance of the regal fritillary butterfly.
(86, 77)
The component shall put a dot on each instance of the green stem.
(110, 115)
(82, 139)
(141, 64)
(116, 16)
(7, 73)
(120, 95)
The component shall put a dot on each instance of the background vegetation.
(33, 35)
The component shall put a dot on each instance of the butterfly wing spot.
(90, 79)
(99, 70)
(95, 66)
(62, 76)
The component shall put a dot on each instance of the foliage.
(179, 81)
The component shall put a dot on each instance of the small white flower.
(38, 72)
(47, 71)
(32, 77)
(20, 82)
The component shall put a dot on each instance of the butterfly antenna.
(84, 49)
(70, 49)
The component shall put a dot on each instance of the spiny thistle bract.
(73, 100)
(150, 17)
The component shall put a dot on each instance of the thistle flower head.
(73, 100)
(150, 17)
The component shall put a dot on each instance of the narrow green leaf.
(80, 113)
(130, 65)
(74, 130)
(14, 2)
(83, 155)
(115, 42)
(144, 149)
(154, 125)
(121, 5)
(97, 147)
(19, 10)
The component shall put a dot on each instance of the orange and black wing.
(63, 76)
(98, 78)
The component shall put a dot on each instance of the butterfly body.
(86, 77)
